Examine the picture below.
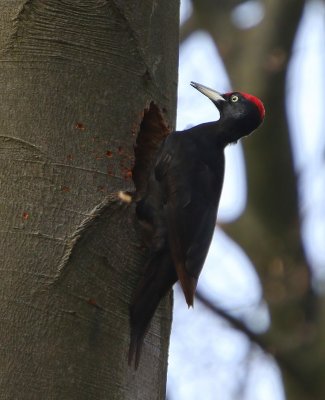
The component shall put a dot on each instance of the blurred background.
(257, 331)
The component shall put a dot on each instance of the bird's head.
(240, 113)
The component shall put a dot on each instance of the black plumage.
(179, 209)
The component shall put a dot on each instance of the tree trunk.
(77, 78)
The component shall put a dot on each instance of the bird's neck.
(220, 133)
(211, 149)
(208, 135)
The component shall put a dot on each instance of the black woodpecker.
(179, 209)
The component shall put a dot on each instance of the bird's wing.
(163, 163)
(191, 195)
(170, 166)
(191, 214)
(166, 155)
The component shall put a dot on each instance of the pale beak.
(213, 95)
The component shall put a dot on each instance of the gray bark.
(76, 79)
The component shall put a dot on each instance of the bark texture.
(76, 80)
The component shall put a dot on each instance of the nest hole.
(153, 130)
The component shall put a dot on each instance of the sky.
(208, 359)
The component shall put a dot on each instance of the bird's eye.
(234, 98)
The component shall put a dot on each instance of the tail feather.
(158, 279)
(136, 342)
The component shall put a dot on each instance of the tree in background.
(269, 230)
